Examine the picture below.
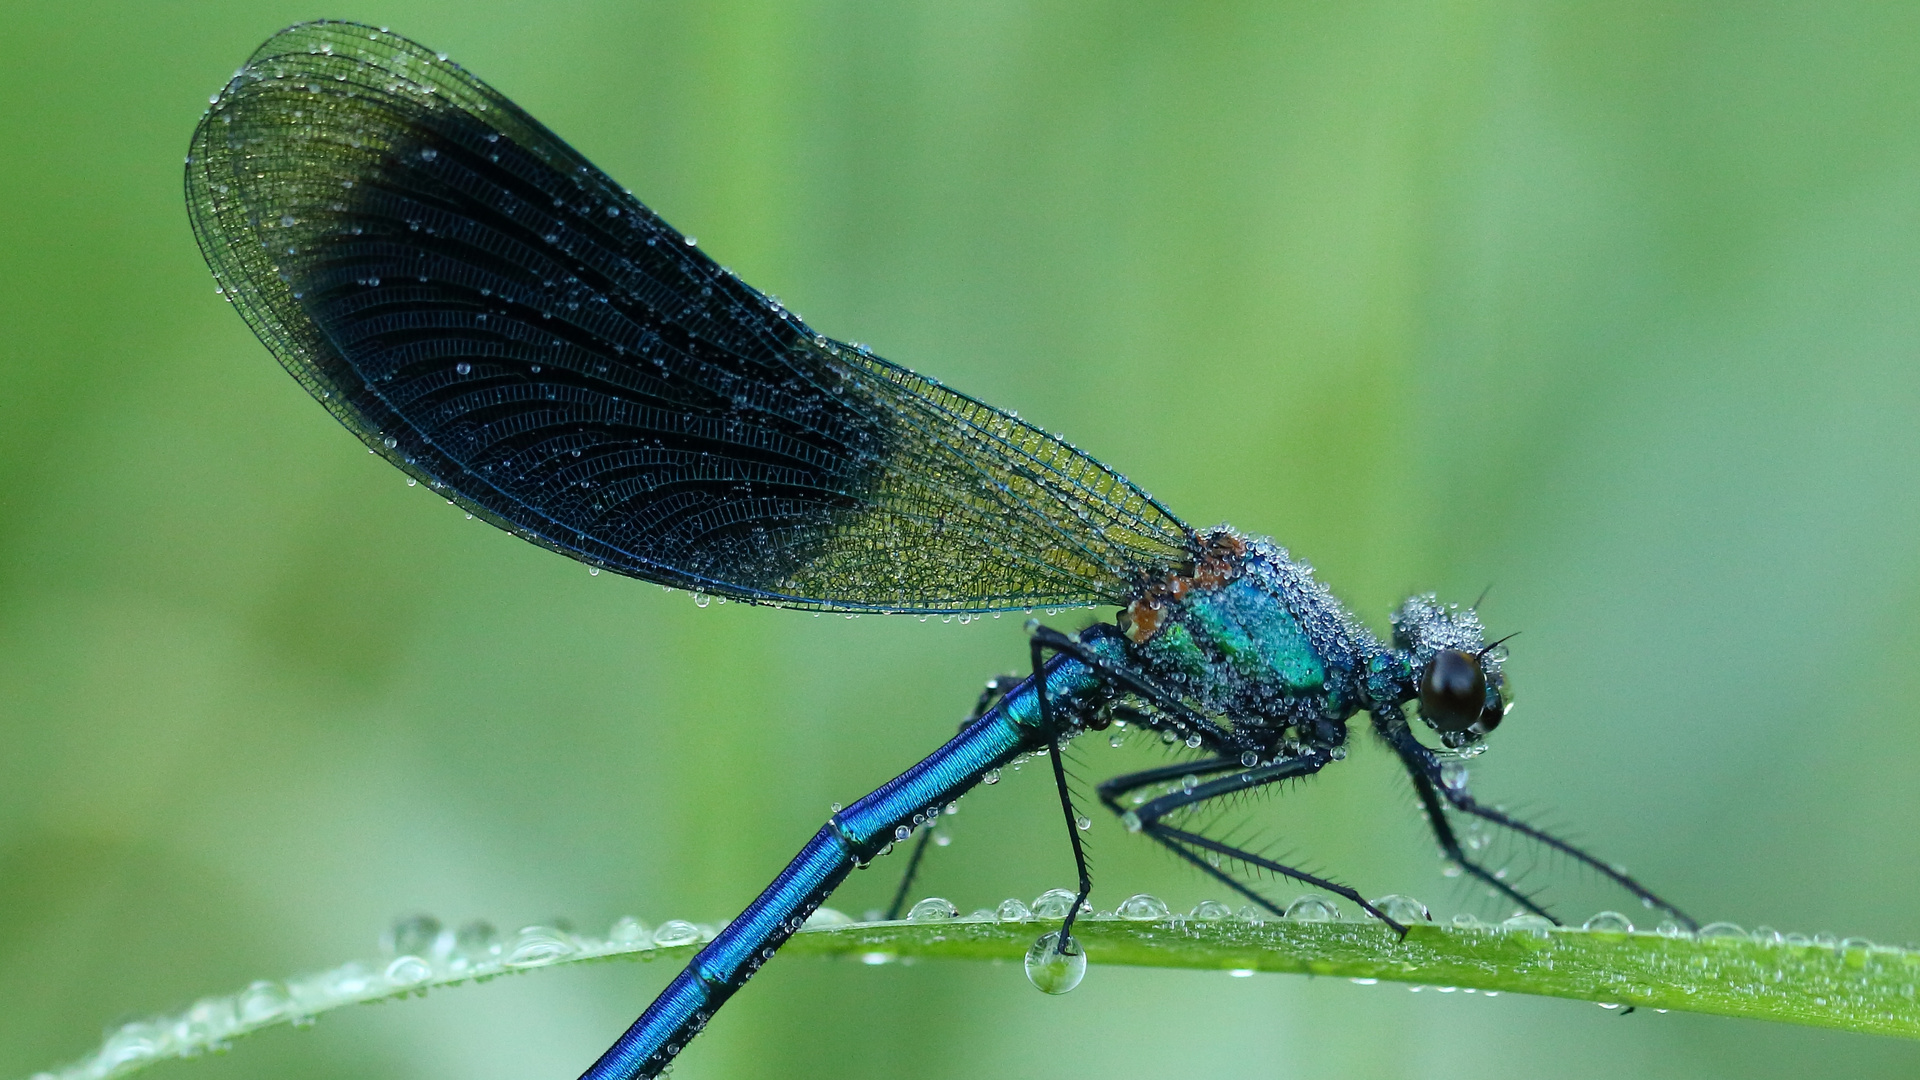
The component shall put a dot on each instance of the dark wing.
(495, 316)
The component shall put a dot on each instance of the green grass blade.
(1852, 985)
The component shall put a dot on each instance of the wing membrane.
(490, 312)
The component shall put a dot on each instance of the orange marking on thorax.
(1217, 565)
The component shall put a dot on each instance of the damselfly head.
(1456, 699)
(1458, 682)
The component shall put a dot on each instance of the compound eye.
(1453, 692)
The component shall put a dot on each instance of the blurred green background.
(1612, 306)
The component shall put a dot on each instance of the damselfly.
(492, 314)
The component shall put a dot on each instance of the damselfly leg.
(1431, 786)
(996, 689)
(1205, 852)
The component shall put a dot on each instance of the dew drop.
(1054, 904)
(1188, 783)
(1723, 932)
(1052, 971)
(1083, 823)
(1012, 911)
(1143, 907)
(992, 777)
(263, 1001)
(1210, 911)
(538, 945)
(676, 932)
(1249, 759)
(1193, 742)
(932, 909)
(477, 943)
(1312, 908)
(1131, 821)
(408, 971)
(825, 917)
(411, 936)
(628, 931)
(1529, 923)
(1608, 922)
(1404, 910)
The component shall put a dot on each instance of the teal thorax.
(1249, 635)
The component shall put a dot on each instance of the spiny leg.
(1450, 844)
(1147, 819)
(1424, 768)
(996, 689)
(1065, 945)
(1184, 717)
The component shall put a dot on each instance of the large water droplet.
(1052, 971)
(1529, 923)
(1210, 911)
(411, 936)
(1143, 907)
(676, 932)
(1608, 922)
(932, 909)
(1054, 903)
(1404, 910)
(477, 943)
(263, 1001)
(826, 916)
(1013, 911)
(408, 971)
(537, 945)
(628, 932)
(1312, 908)
(1724, 932)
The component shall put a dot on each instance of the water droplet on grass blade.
(1312, 908)
(827, 916)
(1608, 922)
(1532, 924)
(1013, 911)
(628, 931)
(408, 971)
(676, 932)
(538, 945)
(1210, 911)
(1054, 904)
(932, 909)
(411, 936)
(1143, 907)
(1052, 971)
(1404, 910)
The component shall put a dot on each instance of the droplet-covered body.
(1249, 635)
